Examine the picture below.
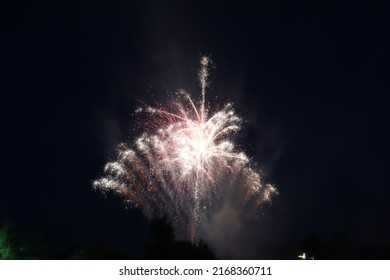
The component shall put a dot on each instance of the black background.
(310, 78)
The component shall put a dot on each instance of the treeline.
(36, 242)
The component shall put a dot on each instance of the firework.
(185, 165)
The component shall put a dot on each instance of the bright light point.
(303, 256)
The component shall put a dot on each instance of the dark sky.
(310, 78)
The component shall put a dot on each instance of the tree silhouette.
(7, 250)
(95, 252)
(162, 244)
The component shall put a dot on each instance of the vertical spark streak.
(203, 75)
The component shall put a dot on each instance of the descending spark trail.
(184, 166)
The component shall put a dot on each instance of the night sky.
(311, 80)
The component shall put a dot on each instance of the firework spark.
(185, 165)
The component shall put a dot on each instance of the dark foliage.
(162, 244)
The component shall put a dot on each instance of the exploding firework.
(185, 165)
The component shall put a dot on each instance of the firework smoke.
(185, 166)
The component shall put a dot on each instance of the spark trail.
(184, 166)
